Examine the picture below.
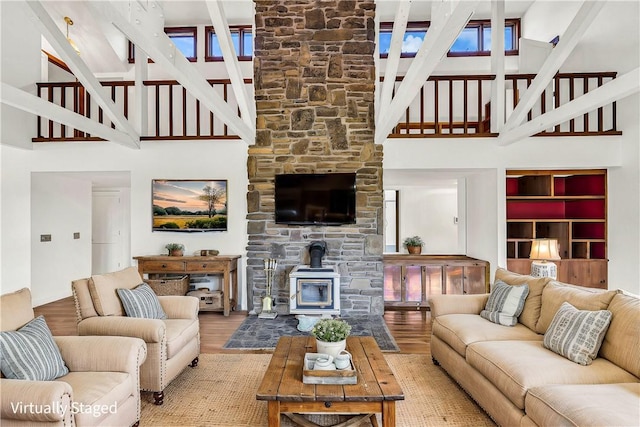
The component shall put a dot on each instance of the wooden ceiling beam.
(497, 66)
(246, 104)
(145, 28)
(442, 33)
(618, 88)
(393, 57)
(59, 42)
(25, 101)
(578, 26)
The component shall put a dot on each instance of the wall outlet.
(45, 237)
(76, 235)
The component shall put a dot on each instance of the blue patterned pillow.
(30, 353)
(577, 334)
(505, 303)
(141, 302)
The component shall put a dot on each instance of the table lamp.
(543, 250)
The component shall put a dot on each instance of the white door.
(106, 235)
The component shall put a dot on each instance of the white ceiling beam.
(58, 41)
(497, 65)
(25, 101)
(393, 57)
(616, 89)
(437, 42)
(568, 41)
(143, 29)
(246, 104)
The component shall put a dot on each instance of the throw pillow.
(505, 303)
(141, 302)
(30, 353)
(577, 334)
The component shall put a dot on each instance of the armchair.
(172, 343)
(101, 388)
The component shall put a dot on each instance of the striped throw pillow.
(30, 353)
(141, 302)
(577, 334)
(505, 303)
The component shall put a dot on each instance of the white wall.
(155, 160)
(60, 206)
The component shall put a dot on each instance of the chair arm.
(457, 304)
(36, 401)
(179, 307)
(150, 330)
(87, 353)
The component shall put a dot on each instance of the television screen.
(320, 199)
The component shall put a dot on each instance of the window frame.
(478, 24)
(169, 31)
(241, 30)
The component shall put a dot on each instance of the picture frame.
(189, 205)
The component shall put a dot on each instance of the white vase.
(331, 348)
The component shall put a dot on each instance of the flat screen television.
(315, 199)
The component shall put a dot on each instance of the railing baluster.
(585, 120)
(50, 98)
(39, 122)
(435, 101)
(170, 109)
(88, 109)
(465, 93)
(197, 117)
(556, 79)
(422, 110)
(63, 103)
(113, 98)
(572, 126)
(225, 98)
(451, 106)
(157, 110)
(600, 110)
(184, 111)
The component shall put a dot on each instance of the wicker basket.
(163, 284)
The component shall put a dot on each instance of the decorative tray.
(334, 376)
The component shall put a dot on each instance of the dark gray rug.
(255, 333)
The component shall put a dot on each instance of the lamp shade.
(544, 249)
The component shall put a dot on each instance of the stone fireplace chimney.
(314, 78)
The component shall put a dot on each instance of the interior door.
(106, 234)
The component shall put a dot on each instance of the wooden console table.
(227, 265)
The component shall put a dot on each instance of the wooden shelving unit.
(567, 205)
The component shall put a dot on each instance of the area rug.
(255, 333)
(221, 391)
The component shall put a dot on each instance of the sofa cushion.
(179, 333)
(555, 293)
(460, 330)
(98, 394)
(505, 303)
(577, 334)
(621, 343)
(16, 310)
(103, 290)
(584, 405)
(514, 367)
(141, 302)
(30, 353)
(531, 310)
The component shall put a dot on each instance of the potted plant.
(413, 244)
(331, 335)
(175, 249)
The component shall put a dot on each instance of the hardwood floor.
(411, 329)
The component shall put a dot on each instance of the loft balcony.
(454, 106)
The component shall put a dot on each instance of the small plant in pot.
(413, 244)
(331, 335)
(175, 249)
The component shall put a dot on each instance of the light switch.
(45, 237)
(76, 235)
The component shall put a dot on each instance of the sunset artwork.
(189, 205)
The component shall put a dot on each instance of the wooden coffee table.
(376, 391)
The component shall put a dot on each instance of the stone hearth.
(314, 86)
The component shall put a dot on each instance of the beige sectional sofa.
(519, 382)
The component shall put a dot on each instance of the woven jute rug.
(221, 391)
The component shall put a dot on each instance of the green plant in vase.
(331, 335)
(175, 249)
(413, 244)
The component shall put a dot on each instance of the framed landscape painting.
(189, 205)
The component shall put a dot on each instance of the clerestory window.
(474, 40)
(241, 36)
(185, 39)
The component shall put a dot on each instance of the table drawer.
(164, 266)
(211, 266)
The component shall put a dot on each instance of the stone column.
(314, 86)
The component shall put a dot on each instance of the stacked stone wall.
(314, 78)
